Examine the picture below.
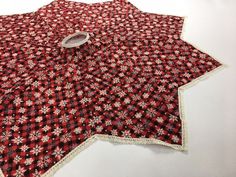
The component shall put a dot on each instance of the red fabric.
(124, 82)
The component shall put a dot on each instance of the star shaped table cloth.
(122, 85)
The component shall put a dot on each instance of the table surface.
(210, 106)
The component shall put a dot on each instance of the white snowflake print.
(160, 120)
(173, 118)
(57, 111)
(160, 131)
(107, 107)
(20, 172)
(44, 109)
(18, 140)
(22, 110)
(127, 101)
(73, 111)
(161, 88)
(78, 130)
(34, 135)
(44, 161)
(175, 138)
(122, 114)
(8, 120)
(15, 128)
(126, 134)
(138, 115)
(85, 100)
(2, 147)
(17, 101)
(22, 119)
(36, 150)
(114, 132)
(28, 161)
(64, 118)
(51, 101)
(66, 137)
(151, 112)
(39, 119)
(46, 128)
(117, 104)
(103, 92)
(145, 95)
(17, 159)
(57, 131)
(97, 119)
(63, 103)
(24, 148)
(58, 153)
(45, 138)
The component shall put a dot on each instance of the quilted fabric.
(121, 85)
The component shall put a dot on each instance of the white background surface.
(210, 106)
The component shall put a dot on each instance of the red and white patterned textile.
(121, 85)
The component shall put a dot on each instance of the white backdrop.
(210, 106)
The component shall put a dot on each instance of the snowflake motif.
(8, 120)
(127, 101)
(80, 93)
(126, 134)
(57, 131)
(22, 119)
(34, 135)
(160, 132)
(18, 140)
(17, 101)
(160, 120)
(15, 128)
(36, 150)
(63, 103)
(45, 138)
(117, 104)
(49, 92)
(122, 114)
(161, 89)
(20, 172)
(85, 100)
(78, 130)
(173, 118)
(22, 110)
(175, 139)
(151, 112)
(46, 128)
(58, 153)
(28, 161)
(66, 137)
(138, 128)
(39, 119)
(29, 103)
(2, 147)
(138, 115)
(64, 118)
(44, 161)
(57, 111)
(17, 159)
(44, 109)
(103, 92)
(114, 132)
(107, 107)
(24, 148)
